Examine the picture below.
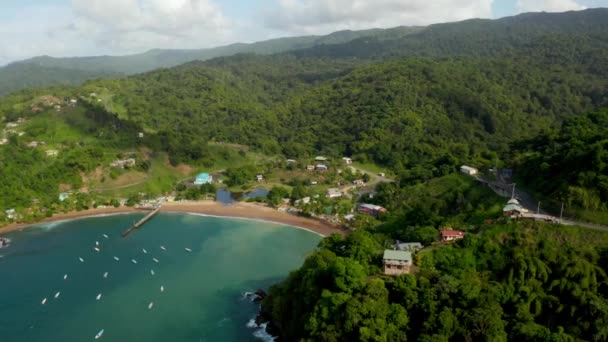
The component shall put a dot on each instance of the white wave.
(260, 332)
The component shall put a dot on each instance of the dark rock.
(260, 295)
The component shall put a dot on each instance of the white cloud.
(548, 5)
(315, 16)
(90, 27)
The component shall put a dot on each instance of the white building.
(347, 160)
(467, 170)
(334, 193)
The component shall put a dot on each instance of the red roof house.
(451, 235)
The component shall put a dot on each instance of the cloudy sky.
(93, 27)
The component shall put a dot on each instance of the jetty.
(145, 219)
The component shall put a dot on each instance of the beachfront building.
(467, 170)
(371, 209)
(396, 262)
(451, 235)
(203, 178)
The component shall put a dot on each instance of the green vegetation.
(525, 281)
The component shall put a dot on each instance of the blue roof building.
(203, 178)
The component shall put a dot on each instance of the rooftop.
(390, 254)
(452, 233)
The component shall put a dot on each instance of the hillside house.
(347, 160)
(396, 262)
(10, 214)
(467, 170)
(334, 193)
(359, 182)
(12, 125)
(310, 167)
(123, 163)
(203, 178)
(51, 153)
(451, 235)
(371, 209)
(63, 196)
(304, 200)
(3, 141)
(259, 178)
(291, 161)
(408, 246)
(321, 167)
(320, 159)
(513, 209)
(140, 135)
(35, 144)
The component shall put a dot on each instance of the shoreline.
(239, 210)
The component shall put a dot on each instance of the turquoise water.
(203, 289)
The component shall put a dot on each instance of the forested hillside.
(47, 71)
(526, 282)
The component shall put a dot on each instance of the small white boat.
(81, 259)
(134, 261)
(163, 248)
(150, 305)
(105, 275)
(99, 334)
(162, 288)
(144, 250)
(188, 249)
(96, 249)
(65, 276)
(57, 294)
(152, 272)
(105, 236)
(98, 297)
(155, 260)
(43, 301)
(116, 258)
(96, 243)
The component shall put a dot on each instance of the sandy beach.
(240, 210)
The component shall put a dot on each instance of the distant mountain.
(45, 70)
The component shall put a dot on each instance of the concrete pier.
(141, 222)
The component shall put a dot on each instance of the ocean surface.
(203, 297)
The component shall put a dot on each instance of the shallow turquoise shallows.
(203, 289)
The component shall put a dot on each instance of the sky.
(62, 28)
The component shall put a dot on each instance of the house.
(123, 163)
(467, 170)
(321, 167)
(396, 262)
(451, 235)
(73, 101)
(291, 161)
(349, 217)
(334, 193)
(3, 141)
(359, 182)
(371, 209)
(314, 183)
(51, 153)
(259, 178)
(320, 159)
(12, 125)
(407, 246)
(63, 196)
(140, 135)
(203, 178)
(10, 214)
(347, 160)
(382, 174)
(304, 200)
(35, 144)
(513, 208)
(310, 167)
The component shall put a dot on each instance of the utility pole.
(513, 192)
(538, 208)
